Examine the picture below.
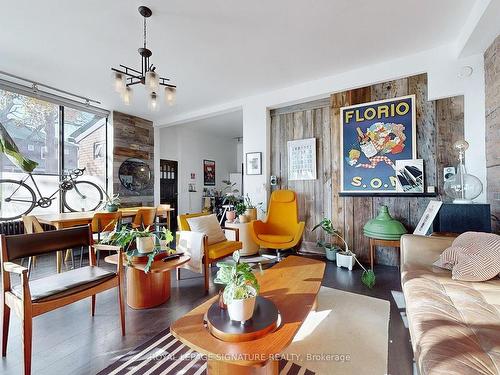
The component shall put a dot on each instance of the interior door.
(168, 187)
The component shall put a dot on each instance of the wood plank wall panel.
(439, 123)
(132, 137)
(492, 85)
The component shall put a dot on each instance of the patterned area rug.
(164, 354)
(347, 334)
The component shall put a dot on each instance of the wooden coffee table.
(292, 285)
(146, 290)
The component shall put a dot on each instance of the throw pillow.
(208, 225)
(473, 256)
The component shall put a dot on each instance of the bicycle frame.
(65, 177)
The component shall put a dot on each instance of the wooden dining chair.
(34, 298)
(32, 225)
(145, 217)
(102, 223)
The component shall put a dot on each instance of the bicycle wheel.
(16, 199)
(84, 196)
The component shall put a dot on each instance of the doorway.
(168, 188)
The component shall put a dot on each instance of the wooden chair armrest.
(14, 268)
(236, 232)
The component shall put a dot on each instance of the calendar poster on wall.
(302, 159)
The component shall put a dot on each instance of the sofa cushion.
(454, 325)
(209, 225)
(472, 257)
(66, 283)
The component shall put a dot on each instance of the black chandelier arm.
(168, 85)
(127, 68)
(126, 73)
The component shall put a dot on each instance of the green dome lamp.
(384, 227)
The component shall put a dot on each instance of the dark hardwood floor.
(70, 341)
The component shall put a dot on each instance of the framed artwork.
(209, 172)
(373, 137)
(254, 162)
(427, 218)
(302, 159)
(410, 176)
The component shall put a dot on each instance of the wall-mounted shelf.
(390, 195)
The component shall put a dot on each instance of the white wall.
(441, 65)
(189, 147)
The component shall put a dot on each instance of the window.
(36, 127)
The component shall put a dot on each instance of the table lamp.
(384, 227)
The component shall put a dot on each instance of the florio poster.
(373, 136)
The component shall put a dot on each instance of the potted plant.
(345, 258)
(125, 237)
(165, 237)
(144, 240)
(240, 209)
(251, 209)
(112, 202)
(331, 249)
(241, 288)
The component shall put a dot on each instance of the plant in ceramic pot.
(346, 258)
(251, 209)
(126, 237)
(144, 240)
(112, 202)
(331, 249)
(240, 209)
(165, 237)
(241, 288)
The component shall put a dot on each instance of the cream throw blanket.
(191, 244)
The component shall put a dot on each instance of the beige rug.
(348, 334)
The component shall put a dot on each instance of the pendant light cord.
(145, 32)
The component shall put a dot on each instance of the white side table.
(249, 246)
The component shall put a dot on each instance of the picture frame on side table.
(427, 218)
(253, 163)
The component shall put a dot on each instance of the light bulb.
(170, 95)
(152, 81)
(119, 82)
(127, 95)
(153, 101)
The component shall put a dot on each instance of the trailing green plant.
(238, 278)
(240, 208)
(368, 276)
(125, 237)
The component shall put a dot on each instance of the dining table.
(73, 219)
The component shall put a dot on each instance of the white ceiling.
(227, 125)
(217, 50)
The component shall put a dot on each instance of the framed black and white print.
(302, 159)
(254, 162)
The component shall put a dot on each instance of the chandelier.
(125, 77)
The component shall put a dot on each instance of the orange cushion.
(275, 238)
(222, 249)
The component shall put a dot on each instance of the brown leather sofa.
(454, 325)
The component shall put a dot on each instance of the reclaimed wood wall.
(439, 124)
(133, 137)
(492, 80)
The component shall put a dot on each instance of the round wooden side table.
(146, 290)
(249, 246)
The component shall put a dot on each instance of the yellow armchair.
(281, 229)
(212, 252)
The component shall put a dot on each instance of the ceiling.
(227, 125)
(218, 50)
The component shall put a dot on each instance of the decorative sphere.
(472, 188)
